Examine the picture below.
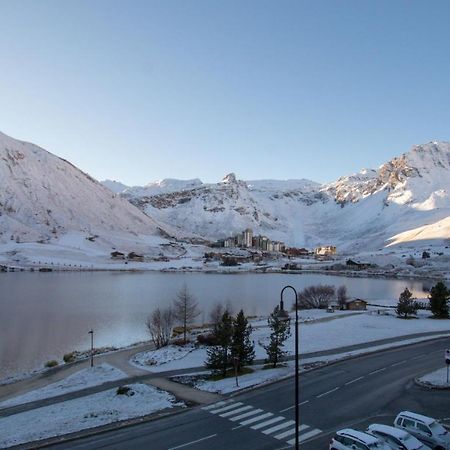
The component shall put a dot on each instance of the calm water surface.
(44, 315)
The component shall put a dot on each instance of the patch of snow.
(437, 378)
(85, 378)
(161, 356)
(82, 413)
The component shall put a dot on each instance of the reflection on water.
(44, 315)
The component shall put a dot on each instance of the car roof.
(424, 419)
(363, 437)
(396, 432)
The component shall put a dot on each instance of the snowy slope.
(46, 199)
(357, 212)
(114, 186)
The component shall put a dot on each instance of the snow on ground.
(93, 376)
(436, 378)
(161, 356)
(316, 335)
(356, 329)
(171, 357)
(260, 375)
(86, 412)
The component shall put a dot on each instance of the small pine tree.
(406, 305)
(218, 357)
(280, 331)
(439, 296)
(242, 347)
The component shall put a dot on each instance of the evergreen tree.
(406, 304)
(242, 347)
(439, 296)
(280, 331)
(218, 357)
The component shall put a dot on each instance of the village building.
(325, 251)
(246, 239)
(356, 304)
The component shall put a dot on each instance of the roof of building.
(352, 300)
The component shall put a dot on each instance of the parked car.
(424, 428)
(349, 439)
(398, 439)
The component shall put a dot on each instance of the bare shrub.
(185, 309)
(216, 313)
(342, 296)
(160, 326)
(318, 296)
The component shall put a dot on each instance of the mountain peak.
(230, 178)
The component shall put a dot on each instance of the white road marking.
(354, 381)
(377, 371)
(266, 423)
(256, 419)
(226, 408)
(279, 427)
(236, 411)
(292, 407)
(398, 363)
(309, 434)
(193, 442)
(247, 414)
(287, 433)
(328, 392)
(216, 405)
(305, 436)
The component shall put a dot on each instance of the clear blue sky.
(142, 90)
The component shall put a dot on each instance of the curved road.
(357, 392)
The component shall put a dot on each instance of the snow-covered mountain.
(114, 186)
(367, 210)
(45, 199)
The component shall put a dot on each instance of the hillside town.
(247, 240)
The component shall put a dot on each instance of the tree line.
(229, 341)
(407, 306)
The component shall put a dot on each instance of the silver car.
(396, 438)
(349, 439)
(424, 428)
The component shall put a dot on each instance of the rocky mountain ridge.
(352, 211)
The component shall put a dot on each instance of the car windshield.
(437, 428)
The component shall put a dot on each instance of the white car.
(396, 438)
(349, 439)
(424, 428)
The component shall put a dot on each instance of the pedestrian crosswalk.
(267, 423)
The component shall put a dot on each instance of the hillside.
(46, 200)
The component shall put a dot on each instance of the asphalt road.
(352, 393)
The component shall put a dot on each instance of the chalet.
(117, 255)
(357, 265)
(135, 257)
(356, 304)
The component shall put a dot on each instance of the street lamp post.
(283, 315)
(91, 332)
